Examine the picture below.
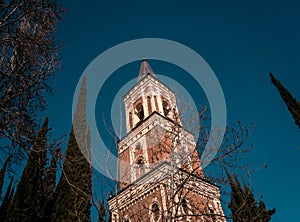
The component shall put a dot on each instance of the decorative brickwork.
(160, 172)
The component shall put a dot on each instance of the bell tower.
(160, 172)
(147, 96)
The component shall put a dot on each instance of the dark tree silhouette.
(292, 104)
(26, 202)
(2, 174)
(74, 190)
(49, 183)
(6, 200)
(243, 205)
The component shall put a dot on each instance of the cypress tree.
(26, 200)
(243, 205)
(73, 193)
(291, 103)
(2, 174)
(47, 200)
(6, 200)
(74, 190)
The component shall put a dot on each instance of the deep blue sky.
(242, 41)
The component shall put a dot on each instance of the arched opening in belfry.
(166, 107)
(140, 169)
(139, 111)
(149, 105)
(130, 120)
(155, 212)
(156, 104)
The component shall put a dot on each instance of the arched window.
(156, 104)
(212, 214)
(175, 115)
(155, 212)
(139, 111)
(149, 105)
(130, 120)
(166, 107)
(115, 218)
(140, 170)
(140, 161)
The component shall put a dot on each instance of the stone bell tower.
(160, 172)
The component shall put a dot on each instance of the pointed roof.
(145, 69)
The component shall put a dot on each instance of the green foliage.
(80, 126)
(290, 101)
(2, 174)
(26, 202)
(74, 190)
(35, 199)
(243, 205)
(73, 193)
(47, 200)
(6, 201)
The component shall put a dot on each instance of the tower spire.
(145, 69)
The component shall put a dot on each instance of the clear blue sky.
(242, 41)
